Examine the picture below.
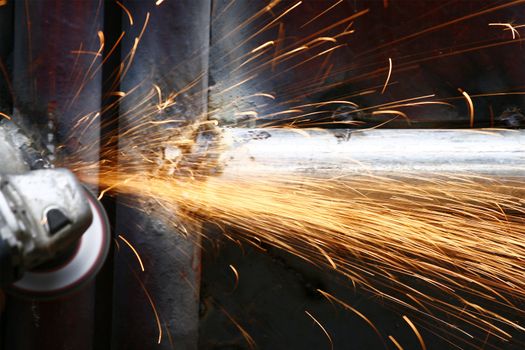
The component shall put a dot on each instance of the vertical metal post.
(172, 53)
(53, 87)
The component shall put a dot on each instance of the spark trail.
(448, 249)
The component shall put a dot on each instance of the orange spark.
(322, 328)
(348, 307)
(322, 13)
(266, 44)
(236, 273)
(470, 106)
(94, 53)
(5, 116)
(153, 307)
(130, 17)
(247, 337)
(508, 26)
(388, 76)
(324, 38)
(134, 251)
(398, 346)
(418, 335)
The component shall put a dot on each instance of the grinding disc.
(78, 269)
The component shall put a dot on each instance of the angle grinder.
(54, 234)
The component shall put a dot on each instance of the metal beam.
(47, 73)
(172, 53)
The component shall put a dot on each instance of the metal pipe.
(330, 153)
(171, 54)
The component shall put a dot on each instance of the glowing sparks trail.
(388, 76)
(266, 44)
(322, 13)
(236, 274)
(398, 346)
(322, 328)
(134, 251)
(459, 235)
(419, 337)
(400, 227)
(512, 28)
(130, 17)
(470, 105)
(153, 308)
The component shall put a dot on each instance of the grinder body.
(53, 233)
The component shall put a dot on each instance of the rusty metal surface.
(171, 54)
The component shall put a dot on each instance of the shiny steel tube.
(329, 153)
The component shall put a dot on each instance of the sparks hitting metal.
(53, 233)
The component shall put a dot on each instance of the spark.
(5, 116)
(270, 96)
(509, 26)
(104, 191)
(470, 105)
(388, 76)
(158, 2)
(391, 111)
(460, 235)
(3, 2)
(324, 38)
(445, 24)
(238, 84)
(82, 52)
(419, 337)
(134, 251)
(153, 308)
(322, 13)
(397, 345)
(322, 328)
(236, 274)
(266, 44)
(348, 307)
(130, 17)
(247, 337)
